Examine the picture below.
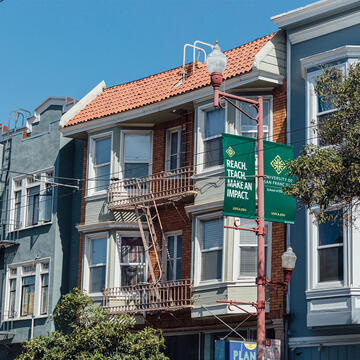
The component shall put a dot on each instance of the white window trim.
(24, 198)
(86, 265)
(197, 249)
(90, 184)
(169, 132)
(18, 294)
(122, 148)
(236, 253)
(165, 259)
(117, 263)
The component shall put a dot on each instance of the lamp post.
(216, 63)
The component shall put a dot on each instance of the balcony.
(165, 295)
(161, 187)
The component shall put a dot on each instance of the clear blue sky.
(66, 47)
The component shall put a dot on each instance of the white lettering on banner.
(236, 164)
(237, 194)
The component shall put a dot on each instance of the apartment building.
(40, 204)
(152, 236)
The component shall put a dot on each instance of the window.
(214, 127)
(32, 200)
(97, 264)
(136, 154)
(27, 289)
(246, 253)
(330, 249)
(132, 261)
(247, 126)
(173, 268)
(100, 163)
(175, 149)
(211, 248)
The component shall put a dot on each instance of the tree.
(88, 332)
(328, 174)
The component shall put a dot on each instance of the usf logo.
(230, 151)
(278, 164)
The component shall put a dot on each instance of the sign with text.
(239, 166)
(279, 207)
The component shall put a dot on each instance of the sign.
(239, 165)
(243, 350)
(279, 207)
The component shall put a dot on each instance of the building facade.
(152, 236)
(324, 297)
(40, 204)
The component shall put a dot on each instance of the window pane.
(132, 250)
(170, 269)
(171, 243)
(214, 122)
(98, 251)
(137, 148)
(212, 233)
(331, 232)
(248, 261)
(28, 295)
(136, 170)
(173, 162)
(97, 279)
(12, 298)
(102, 151)
(178, 269)
(178, 246)
(174, 143)
(211, 265)
(331, 264)
(44, 293)
(33, 205)
(102, 175)
(324, 105)
(213, 152)
(132, 275)
(17, 209)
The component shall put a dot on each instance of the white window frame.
(122, 148)
(236, 253)
(38, 271)
(86, 263)
(238, 115)
(165, 252)
(91, 172)
(197, 249)
(40, 178)
(169, 132)
(199, 156)
(118, 264)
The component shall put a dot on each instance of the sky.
(66, 47)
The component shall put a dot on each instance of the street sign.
(239, 165)
(279, 207)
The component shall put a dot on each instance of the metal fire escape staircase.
(144, 195)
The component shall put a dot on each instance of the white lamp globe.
(288, 259)
(216, 61)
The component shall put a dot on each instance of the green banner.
(239, 165)
(279, 207)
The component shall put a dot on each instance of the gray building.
(324, 302)
(40, 203)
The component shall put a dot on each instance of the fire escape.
(144, 195)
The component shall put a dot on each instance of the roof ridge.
(180, 66)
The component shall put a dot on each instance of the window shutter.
(212, 234)
(248, 261)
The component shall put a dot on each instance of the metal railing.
(165, 185)
(165, 295)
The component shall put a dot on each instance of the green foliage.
(330, 175)
(91, 333)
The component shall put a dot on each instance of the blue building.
(40, 203)
(324, 304)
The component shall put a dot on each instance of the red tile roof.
(160, 86)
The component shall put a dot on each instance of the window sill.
(209, 172)
(30, 227)
(97, 196)
(220, 284)
(26, 318)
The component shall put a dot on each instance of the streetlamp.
(216, 63)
